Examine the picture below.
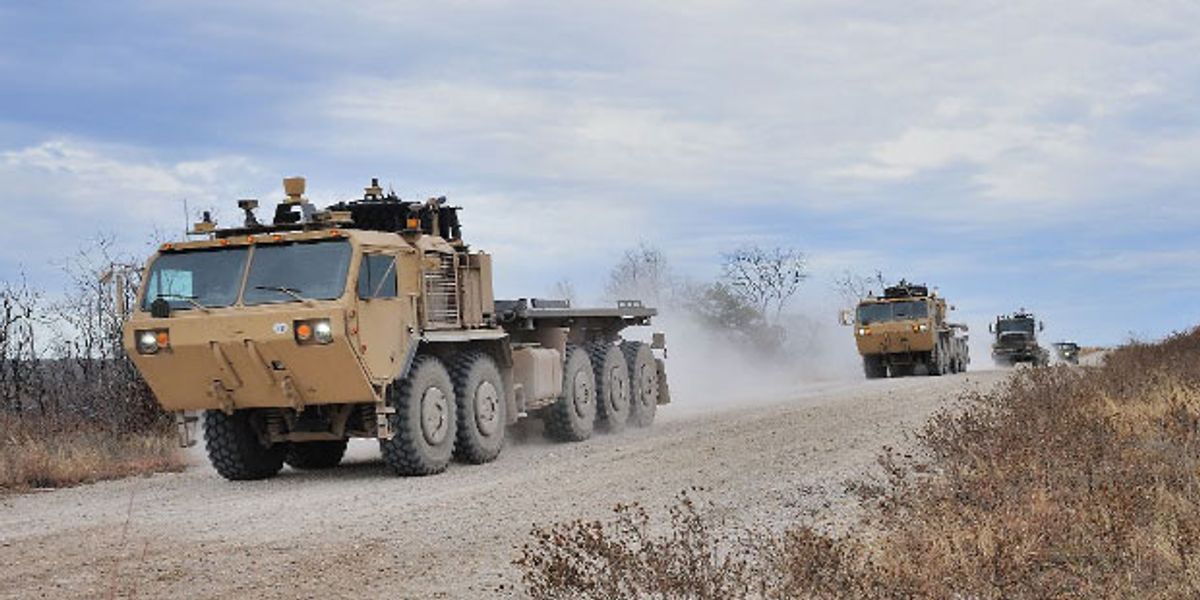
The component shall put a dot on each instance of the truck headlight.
(864, 331)
(150, 341)
(315, 331)
(322, 332)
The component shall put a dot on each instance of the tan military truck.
(372, 319)
(906, 331)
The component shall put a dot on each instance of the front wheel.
(235, 448)
(874, 367)
(424, 421)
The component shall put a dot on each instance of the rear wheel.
(424, 421)
(315, 455)
(482, 414)
(643, 377)
(572, 417)
(936, 365)
(612, 386)
(235, 449)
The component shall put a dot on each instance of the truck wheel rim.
(583, 394)
(647, 384)
(434, 412)
(620, 390)
(487, 408)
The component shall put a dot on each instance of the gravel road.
(358, 531)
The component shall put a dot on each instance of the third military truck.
(906, 331)
(1016, 340)
(373, 318)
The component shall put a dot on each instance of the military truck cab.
(372, 319)
(906, 331)
(1016, 340)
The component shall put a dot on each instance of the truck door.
(380, 315)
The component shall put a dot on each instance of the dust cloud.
(707, 371)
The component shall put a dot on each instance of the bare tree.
(641, 274)
(853, 287)
(766, 278)
(19, 315)
(564, 289)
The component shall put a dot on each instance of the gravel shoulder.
(359, 531)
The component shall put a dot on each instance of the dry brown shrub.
(1062, 483)
(37, 452)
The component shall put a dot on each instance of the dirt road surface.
(358, 531)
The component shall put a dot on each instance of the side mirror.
(845, 318)
(1041, 325)
(991, 328)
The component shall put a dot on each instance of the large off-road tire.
(573, 417)
(324, 454)
(873, 367)
(482, 408)
(424, 423)
(234, 447)
(643, 383)
(936, 365)
(612, 386)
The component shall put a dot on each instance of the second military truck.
(1016, 340)
(372, 319)
(906, 331)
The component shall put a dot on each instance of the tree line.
(61, 357)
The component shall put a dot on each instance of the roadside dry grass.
(1062, 483)
(39, 453)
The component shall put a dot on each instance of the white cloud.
(807, 105)
(63, 192)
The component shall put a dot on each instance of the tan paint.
(247, 356)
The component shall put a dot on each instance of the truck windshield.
(204, 277)
(1017, 325)
(302, 270)
(892, 311)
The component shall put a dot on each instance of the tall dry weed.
(1061, 483)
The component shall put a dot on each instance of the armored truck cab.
(372, 319)
(905, 331)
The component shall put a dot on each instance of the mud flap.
(187, 428)
(664, 389)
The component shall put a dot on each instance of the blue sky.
(1013, 153)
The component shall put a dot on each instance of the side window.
(377, 277)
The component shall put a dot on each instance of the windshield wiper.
(286, 290)
(189, 299)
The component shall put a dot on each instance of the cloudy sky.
(1014, 153)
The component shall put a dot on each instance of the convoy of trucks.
(373, 318)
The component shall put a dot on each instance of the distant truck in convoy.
(1068, 352)
(372, 319)
(907, 331)
(1016, 340)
